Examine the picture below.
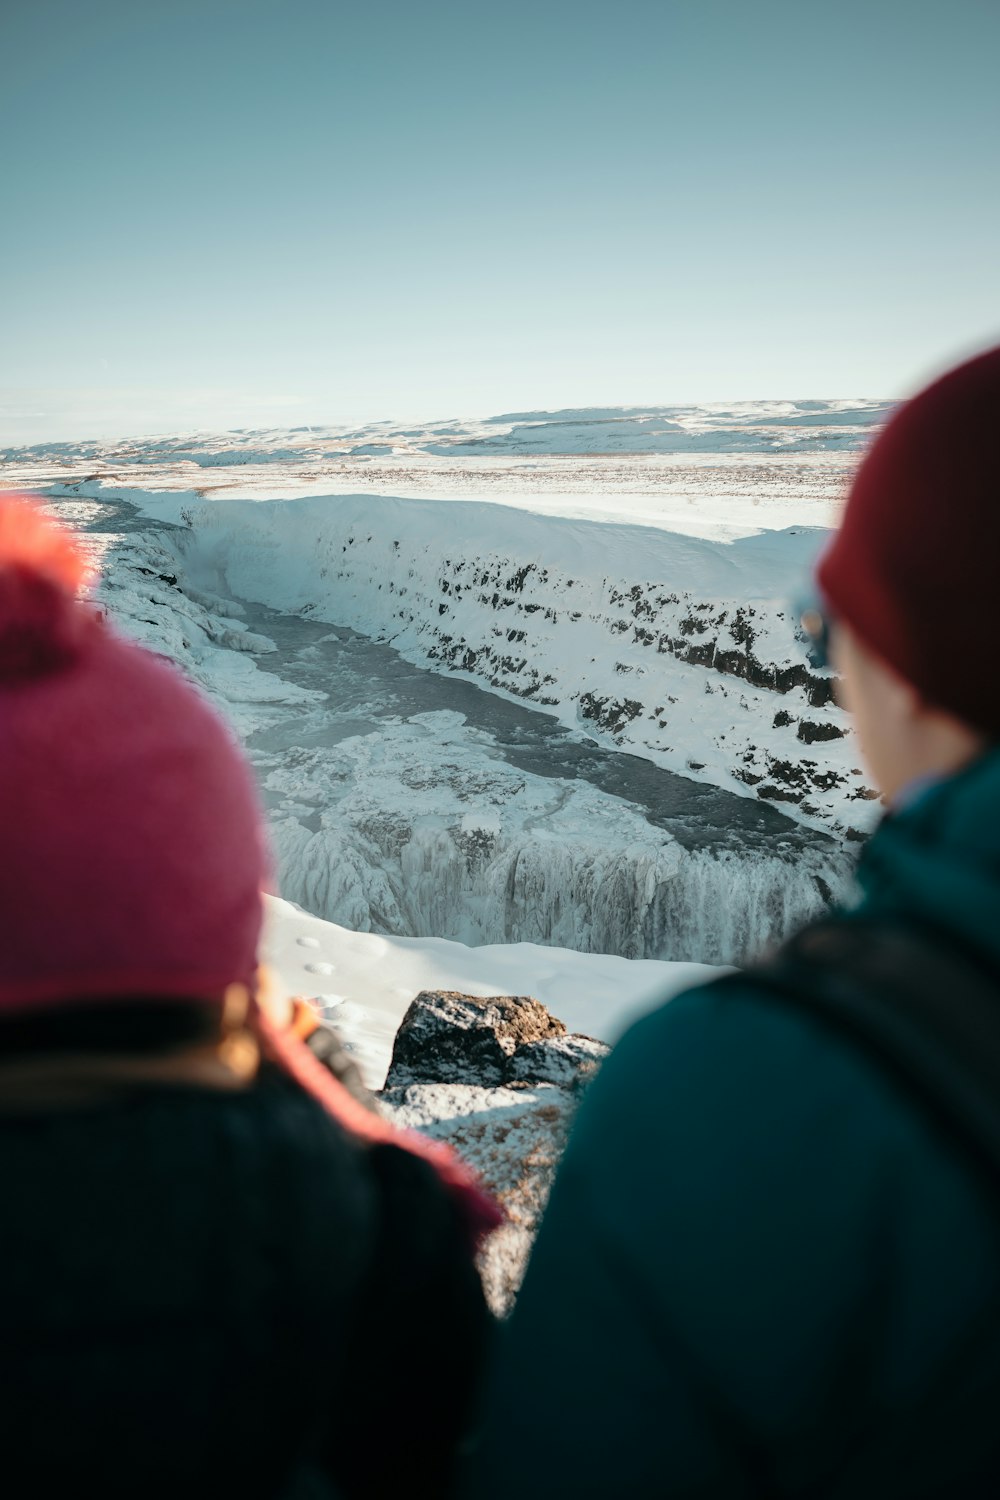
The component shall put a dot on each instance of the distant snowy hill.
(766, 427)
(746, 427)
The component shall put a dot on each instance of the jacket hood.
(937, 861)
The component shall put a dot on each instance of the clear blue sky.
(236, 212)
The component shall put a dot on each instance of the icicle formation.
(42, 626)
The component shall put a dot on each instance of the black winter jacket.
(223, 1294)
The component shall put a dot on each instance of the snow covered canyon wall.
(678, 649)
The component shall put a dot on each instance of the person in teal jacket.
(765, 1269)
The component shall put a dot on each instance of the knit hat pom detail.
(43, 627)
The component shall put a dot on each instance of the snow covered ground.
(364, 983)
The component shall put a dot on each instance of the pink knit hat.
(131, 851)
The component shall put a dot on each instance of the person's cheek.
(840, 662)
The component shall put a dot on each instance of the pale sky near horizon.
(224, 213)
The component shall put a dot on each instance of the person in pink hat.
(221, 1274)
(770, 1266)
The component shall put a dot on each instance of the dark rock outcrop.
(447, 1037)
(567, 1061)
(611, 714)
(498, 1079)
(809, 731)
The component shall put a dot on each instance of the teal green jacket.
(763, 1265)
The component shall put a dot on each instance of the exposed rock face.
(810, 733)
(498, 1079)
(446, 1037)
(567, 1061)
(514, 1139)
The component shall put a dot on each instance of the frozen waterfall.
(631, 900)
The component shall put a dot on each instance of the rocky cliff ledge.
(499, 1080)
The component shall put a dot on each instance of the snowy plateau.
(531, 685)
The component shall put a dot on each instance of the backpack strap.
(928, 1014)
(926, 1011)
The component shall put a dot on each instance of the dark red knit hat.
(132, 852)
(913, 568)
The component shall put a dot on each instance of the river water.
(368, 685)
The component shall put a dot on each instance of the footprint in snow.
(320, 968)
(329, 1002)
(307, 942)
